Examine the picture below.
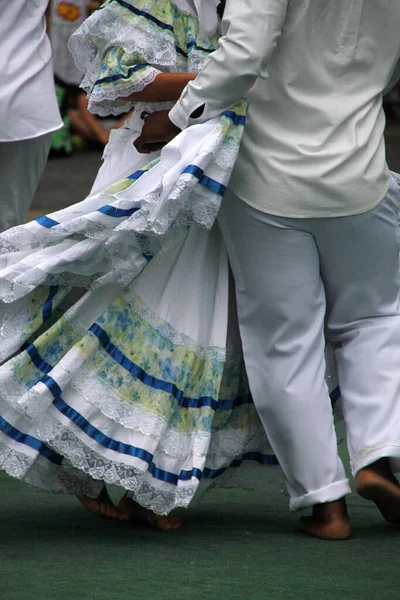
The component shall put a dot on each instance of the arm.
(90, 121)
(165, 87)
(251, 29)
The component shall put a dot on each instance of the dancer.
(176, 409)
(140, 381)
(311, 227)
(28, 106)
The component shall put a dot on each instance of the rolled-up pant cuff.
(370, 455)
(329, 493)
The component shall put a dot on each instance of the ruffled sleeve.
(121, 75)
(124, 45)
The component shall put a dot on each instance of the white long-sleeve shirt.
(314, 71)
(28, 103)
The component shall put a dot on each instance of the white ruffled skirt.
(121, 358)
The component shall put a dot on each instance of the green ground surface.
(234, 545)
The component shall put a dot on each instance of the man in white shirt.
(311, 226)
(28, 106)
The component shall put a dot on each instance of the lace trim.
(65, 479)
(33, 404)
(13, 320)
(221, 443)
(104, 397)
(164, 217)
(36, 277)
(108, 28)
(181, 209)
(139, 307)
(103, 101)
(165, 214)
(174, 444)
(156, 495)
(30, 403)
(223, 449)
(110, 111)
(46, 476)
(214, 445)
(17, 324)
(147, 43)
(160, 210)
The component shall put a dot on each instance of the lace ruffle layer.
(119, 429)
(122, 379)
(109, 237)
(123, 46)
(42, 474)
(83, 456)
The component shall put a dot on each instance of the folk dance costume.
(311, 225)
(139, 381)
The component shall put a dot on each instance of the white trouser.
(290, 274)
(21, 166)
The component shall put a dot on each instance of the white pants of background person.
(291, 275)
(21, 166)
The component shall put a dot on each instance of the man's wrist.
(178, 117)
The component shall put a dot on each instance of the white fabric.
(65, 18)
(207, 15)
(188, 301)
(108, 28)
(204, 289)
(314, 72)
(155, 295)
(288, 273)
(206, 12)
(120, 158)
(21, 166)
(95, 248)
(28, 104)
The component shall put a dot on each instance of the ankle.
(380, 467)
(329, 511)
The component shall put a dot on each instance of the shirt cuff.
(178, 115)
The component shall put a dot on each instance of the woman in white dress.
(139, 381)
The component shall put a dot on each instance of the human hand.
(157, 131)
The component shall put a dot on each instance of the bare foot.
(102, 506)
(378, 484)
(163, 522)
(329, 521)
(135, 512)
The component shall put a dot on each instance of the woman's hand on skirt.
(157, 131)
